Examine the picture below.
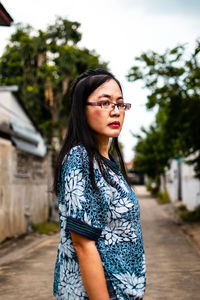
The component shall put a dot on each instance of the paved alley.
(173, 264)
(30, 276)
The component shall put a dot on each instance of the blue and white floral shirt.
(110, 217)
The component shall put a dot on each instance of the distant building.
(181, 184)
(25, 168)
(129, 165)
(5, 18)
(135, 177)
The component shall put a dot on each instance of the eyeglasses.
(110, 105)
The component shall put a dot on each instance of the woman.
(100, 254)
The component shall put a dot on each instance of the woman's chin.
(114, 134)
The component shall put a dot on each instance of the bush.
(188, 215)
(46, 227)
(182, 207)
(163, 197)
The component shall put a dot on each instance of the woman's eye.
(120, 104)
(106, 103)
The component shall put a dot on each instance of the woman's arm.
(91, 267)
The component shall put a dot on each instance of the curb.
(20, 247)
(191, 230)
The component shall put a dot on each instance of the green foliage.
(43, 64)
(163, 197)
(150, 154)
(173, 82)
(182, 207)
(46, 227)
(62, 32)
(189, 216)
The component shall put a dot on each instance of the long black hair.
(79, 132)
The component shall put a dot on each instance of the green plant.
(182, 207)
(190, 216)
(163, 197)
(172, 80)
(46, 227)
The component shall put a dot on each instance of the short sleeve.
(85, 207)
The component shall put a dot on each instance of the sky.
(119, 31)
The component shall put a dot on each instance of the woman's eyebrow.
(109, 97)
(104, 96)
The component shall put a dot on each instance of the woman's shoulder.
(76, 156)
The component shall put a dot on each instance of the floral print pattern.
(112, 214)
(75, 190)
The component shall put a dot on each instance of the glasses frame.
(127, 106)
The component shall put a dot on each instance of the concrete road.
(173, 264)
(30, 276)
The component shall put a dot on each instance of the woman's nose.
(115, 110)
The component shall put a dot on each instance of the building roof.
(10, 88)
(5, 18)
(15, 90)
(25, 136)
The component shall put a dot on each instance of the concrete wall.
(172, 180)
(190, 186)
(24, 183)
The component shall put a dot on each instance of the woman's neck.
(104, 146)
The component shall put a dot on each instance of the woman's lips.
(114, 125)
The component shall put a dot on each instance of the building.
(181, 184)
(5, 18)
(25, 168)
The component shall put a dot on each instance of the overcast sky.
(118, 30)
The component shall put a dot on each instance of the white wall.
(190, 186)
(172, 180)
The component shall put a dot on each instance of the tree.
(150, 155)
(43, 64)
(173, 81)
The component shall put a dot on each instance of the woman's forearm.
(92, 271)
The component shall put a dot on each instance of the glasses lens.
(127, 106)
(105, 104)
(121, 106)
(109, 105)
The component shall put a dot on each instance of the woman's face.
(105, 122)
